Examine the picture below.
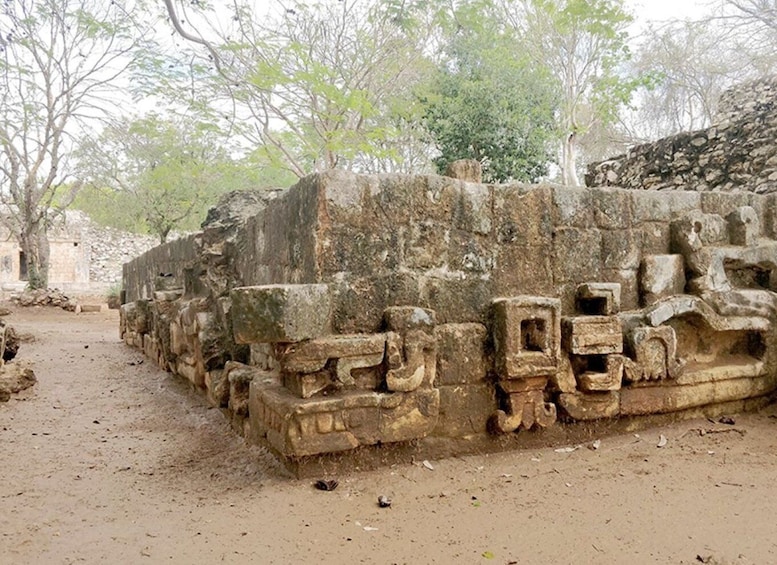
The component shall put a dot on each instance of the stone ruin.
(356, 316)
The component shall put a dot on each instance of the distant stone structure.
(353, 313)
(83, 255)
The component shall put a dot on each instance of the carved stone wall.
(737, 153)
(354, 311)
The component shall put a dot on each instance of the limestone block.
(523, 385)
(573, 206)
(461, 355)
(403, 318)
(527, 336)
(307, 385)
(524, 410)
(166, 281)
(167, 295)
(744, 228)
(577, 253)
(654, 352)
(412, 361)
(610, 379)
(280, 313)
(239, 377)
(661, 276)
(596, 298)
(464, 409)
(592, 335)
(465, 169)
(217, 385)
(593, 406)
(414, 417)
(663, 399)
(365, 350)
(564, 378)
(612, 208)
(621, 248)
(627, 278)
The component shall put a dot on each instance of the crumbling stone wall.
(737, 153)
(355, 311)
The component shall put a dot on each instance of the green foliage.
(156, 175)
(487, 102)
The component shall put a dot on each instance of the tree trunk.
(569, 161)
(35, 246)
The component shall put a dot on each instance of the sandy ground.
(108, 460)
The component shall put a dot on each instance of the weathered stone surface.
(602, 299)
(663, 399)
(465, 409)
(592, 335)
(654, 351)
(405, 318)
(461, 354)
(280, 313)
(527, 336)
(602, 381)
(412, 361)
(661, 276)
(590, 406)
(524, 410)
(15, 377)
(465, 169)
(744, 226)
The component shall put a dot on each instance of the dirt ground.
(109, 460)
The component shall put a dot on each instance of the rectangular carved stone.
(527, 336)
(311, 355)
(654, 351)
(280, 313)
(610, 379)
(602, 299)
(661, 276)
(663, 399)
(592, 335)
(465, 409)
(461, 356)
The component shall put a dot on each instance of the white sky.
(662, 10)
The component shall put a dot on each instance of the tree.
(583, 43)
(58, 63)
(163, 174)
(489, 103)
(315, 84)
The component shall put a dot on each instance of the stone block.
(465, 169)
(597, 298)
(411, 361)
(473, 209)
(403, 318)
(654, 352)
(312, 355)
(524, 410)
(280, 313)
(662, 206)
(744, 228)
(595, 406)
(663, 399)
(307, 385)
(217, 386)
(723, 203)
(456, 299)
(661, 276)
(527, 336)
(592, 335)
(464, 409)
(572, 207)
(621, 249)
(524, 270)
(656, 238)
(414, 417)
(611, 208)
(602, 381)
(627, 278)
(576, 254)
(461, 355)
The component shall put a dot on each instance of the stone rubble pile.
(45, 297)
(737, 153)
